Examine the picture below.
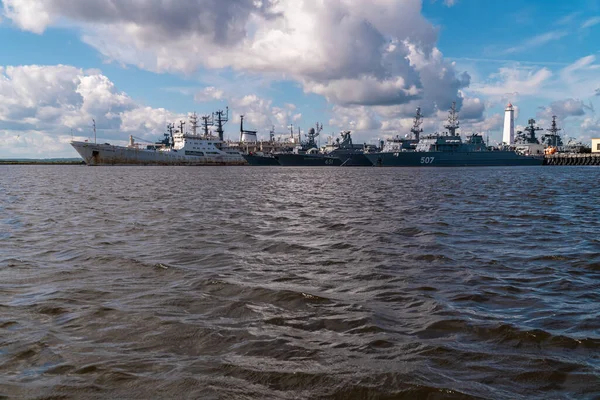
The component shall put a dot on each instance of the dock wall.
(572, 159)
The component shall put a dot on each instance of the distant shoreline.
(42, 162)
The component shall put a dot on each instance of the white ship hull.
(107, 154)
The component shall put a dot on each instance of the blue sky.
(359, 65)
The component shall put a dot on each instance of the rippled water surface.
(291, 283)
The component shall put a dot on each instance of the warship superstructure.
(177, 148)
(307, 153)
(448, 149)
(350, 154)
(409, 142)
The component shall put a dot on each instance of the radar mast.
(553, 138)
(207, 121)
(221, 118)
(194, 123)
(453, 122)
(531, 129)
(417, 122)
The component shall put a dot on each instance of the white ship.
(178, 148)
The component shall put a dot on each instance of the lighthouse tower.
(509, 125)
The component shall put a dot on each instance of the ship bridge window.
(598, 146)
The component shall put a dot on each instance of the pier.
(572, 159)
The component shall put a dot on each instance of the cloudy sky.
(363, 65)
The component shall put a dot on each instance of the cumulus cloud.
(359, 118)
(591, 127)
(260, 114)
(513, 81)
(43, 103)
(46, 96)
(563, 109)
(472, 109)
(376, 52)
(209, 94)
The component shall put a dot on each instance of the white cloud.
(563, 109)
(588, 23)
(375, 52)
(513, 81)
(591, 128)
(40, 104)
(536, 41)
(472, 109)
(209, 94)
(261, 115)
(358, 118)
(59, 95)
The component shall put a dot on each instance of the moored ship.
(177, 148)
(260, 159)
(350, 154)
(445, 150)
(307, 154)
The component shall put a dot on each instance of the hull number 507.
(427, 160)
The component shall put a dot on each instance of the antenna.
(417, 122)
(532, 129)
(553, 137)
(453, 123)
(207, 120)
(170, 128)
(194, 123)
(221, 119)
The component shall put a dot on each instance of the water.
(285, 283)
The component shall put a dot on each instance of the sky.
(360, 65)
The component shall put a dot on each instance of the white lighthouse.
(509, 125)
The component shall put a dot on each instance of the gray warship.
(306, 154)
(449, 150)
(351, 155)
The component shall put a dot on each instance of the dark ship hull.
(353, 159)
(307, 160)
(452, 159)
(257, 160)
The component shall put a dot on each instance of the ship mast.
(194, 123)
(94, 124)
(181, 124)
(222, 117)
(312, 134)
(453, 123)
(532, 129)
(417, 122)
(553, 135)
(170, 128)
(272, 134)
(206, 122)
